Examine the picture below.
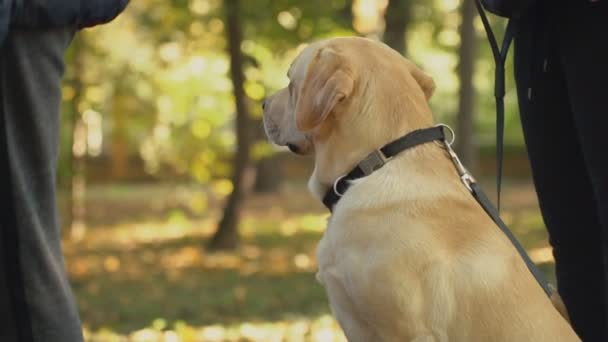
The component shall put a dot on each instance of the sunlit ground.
(141, 273)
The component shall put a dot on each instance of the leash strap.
(378, 158)
(485, 203)
(500, 57)
(487, 206)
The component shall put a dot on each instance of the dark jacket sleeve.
(5, 18)
(61, 13)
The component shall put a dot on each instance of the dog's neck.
(337, 154)
(420, 164)
(342, 141)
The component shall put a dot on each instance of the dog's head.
(346, 97)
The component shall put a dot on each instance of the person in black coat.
(36, 302)
(561, 71)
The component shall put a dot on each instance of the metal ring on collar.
(452, 134)
(336, 186)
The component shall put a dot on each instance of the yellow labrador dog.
(408, 254)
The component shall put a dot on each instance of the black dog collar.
(379, 157)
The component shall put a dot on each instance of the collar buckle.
(373, 162)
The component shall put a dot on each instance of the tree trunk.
(397, 17)
(346, 13)
(119, 156)
(226, 236)
(466, 145)
(268, 174)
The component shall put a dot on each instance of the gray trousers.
(36, 302)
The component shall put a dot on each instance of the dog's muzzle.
(293, 148)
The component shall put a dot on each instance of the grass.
(141, 274)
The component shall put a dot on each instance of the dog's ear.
(425, 81)
(328, 81)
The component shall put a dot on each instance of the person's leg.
(582, 28)
(565, 192)
(32, 270)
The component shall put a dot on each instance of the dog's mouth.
(294, 148)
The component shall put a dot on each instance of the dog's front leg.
(343, 309)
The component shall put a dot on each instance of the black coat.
(41, 14)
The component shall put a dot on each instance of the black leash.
(483, 200)
(500, 57)
(380, 157)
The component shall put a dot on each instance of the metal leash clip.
(465, 176)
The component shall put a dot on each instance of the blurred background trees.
(182, 223)
(170, 92)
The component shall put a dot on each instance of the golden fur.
(408, 254)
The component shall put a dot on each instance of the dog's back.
(413, 256)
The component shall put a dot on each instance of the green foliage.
(157, 77)
(163, 66)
